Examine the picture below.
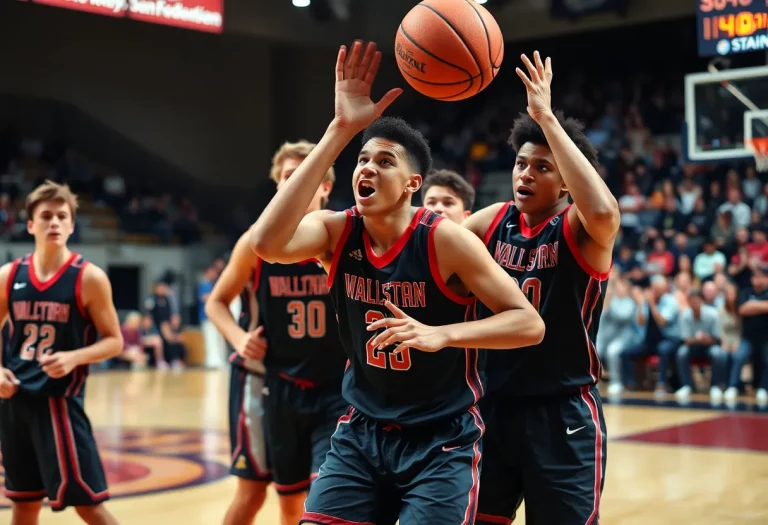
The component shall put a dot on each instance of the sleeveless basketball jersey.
(412, 387)
(47, 318)
(568, 294)
(300, 324)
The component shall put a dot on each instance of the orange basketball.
(449, 49)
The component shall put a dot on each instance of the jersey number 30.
(307, 319)
(531, 287)
(378, 358)
(38, 342)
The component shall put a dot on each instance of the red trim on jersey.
(381, 261)
(79, 291)
(589, 399)
(340, 246)
(9, 283)
(257, 274)
(573, 246)
(488, 518)
(469, 514)
(530, 233)
(50, 282)
(495, 223)
(587, 311)
(471, 356)
(435, 269)
(325, 519)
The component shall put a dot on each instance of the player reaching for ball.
(546, 438)
(400, 281)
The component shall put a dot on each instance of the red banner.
(100, 7)
(201, 15)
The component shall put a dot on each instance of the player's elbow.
(535, 328)
(116, 346)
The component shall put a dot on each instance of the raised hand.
(355, 73)
(407, 331)
(537, 85)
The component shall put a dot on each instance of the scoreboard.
(732, 26)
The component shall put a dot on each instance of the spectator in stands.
(618, 328)
(700, 334)
(753, 309)
(761, 203)
(175, 349)
(742, 214)
(730, 321)
(699, 222)
(660, 260)
(751, 185)
(153, 343)
(683, 284)
(709, 261)
(658, 313)
(133, 341)
(723, 232)
(215, 346)
(7, 215)
(158, 306)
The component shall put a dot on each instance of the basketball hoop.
(759, 147)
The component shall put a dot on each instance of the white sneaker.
(762, 396)
(731, 394)
(684, 392)
(715, 395)
(615, 389)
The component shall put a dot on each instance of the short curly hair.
(525, 129)
(399, 131)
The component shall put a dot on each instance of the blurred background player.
(304, 359)
(561, 254)
(447, 193)
(413, 431)
(57, 304)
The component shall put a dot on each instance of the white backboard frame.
(694, 79)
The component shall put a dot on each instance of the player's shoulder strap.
(12, 274)
(503, 211)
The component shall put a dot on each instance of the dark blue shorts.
(246, 431)
(552, 452)
(298, 424)
(49, 451)
(377, 473)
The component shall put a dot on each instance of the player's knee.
(251, 493)
(26, 510)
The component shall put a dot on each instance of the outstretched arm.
(595, 206)
(282, 233)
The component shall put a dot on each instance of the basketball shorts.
(48, 450)
(550, 451)
(299, 422)
(379, 473)
(246, 434)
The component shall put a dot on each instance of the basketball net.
(759, 147)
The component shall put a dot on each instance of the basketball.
(449, 49)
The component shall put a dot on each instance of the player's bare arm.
(594, 206)
(283, 234)
(235, 277)
(459, 253)
(8, 382)
(479, 222)
(96, 295)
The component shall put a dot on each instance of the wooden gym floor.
(163, 438)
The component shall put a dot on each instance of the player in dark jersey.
(447, 193)
(401, 281)
(546, 438)
(292, 326)
(56, 303)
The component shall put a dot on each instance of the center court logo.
(140, 461)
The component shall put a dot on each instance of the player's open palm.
(355, 72)
(406, 331)
(252, 345)
(8, 384)
(538, 83)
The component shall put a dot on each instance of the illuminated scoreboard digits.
(732, 26)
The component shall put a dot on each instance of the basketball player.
(546, 438)
(400, 280)
(57, 302)
(447, 193)
(296, 334)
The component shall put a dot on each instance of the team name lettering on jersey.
(298, 285)
(402, 294)
(526, 259)
(45, 311)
